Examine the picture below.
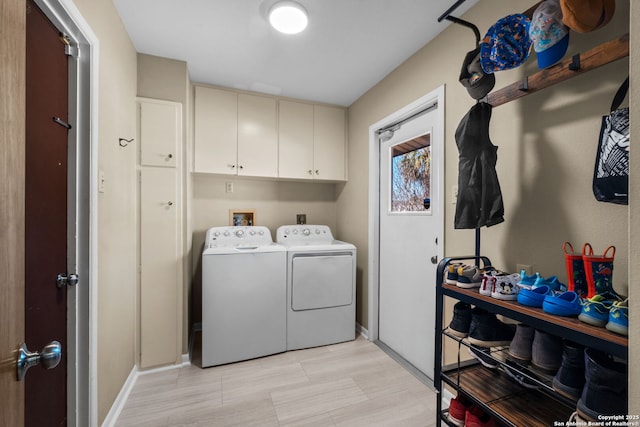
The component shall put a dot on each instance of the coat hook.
(575, 63)
(123, 142)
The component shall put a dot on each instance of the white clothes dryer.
(321, 286)
(243, 295)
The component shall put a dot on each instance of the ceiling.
(348, 47)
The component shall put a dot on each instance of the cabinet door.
(160, 132)
(329, 142)
(295, 140)
(216, 131)
(257, 136)
(159, 260)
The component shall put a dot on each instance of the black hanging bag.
(611, 174)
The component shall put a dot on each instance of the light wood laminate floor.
(348, 384)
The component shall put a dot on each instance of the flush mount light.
(288, 17)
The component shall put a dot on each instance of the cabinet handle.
(170, 203)
(232, 166)
(241, 167)
(170, 156)
(317, 172)
(310, 172)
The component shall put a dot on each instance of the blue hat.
(549, 35)
(506, 45)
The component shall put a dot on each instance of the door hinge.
(69, 50)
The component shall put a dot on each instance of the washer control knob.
(317, 231)
(261, 233)
(306, 232)
(226, 233)
(252, 233)
(217, 233)
(239, 233)
(295, 231)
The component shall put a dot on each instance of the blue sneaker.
(619, 318)
(595, 311)
(566, 304)
(552, 282)
(526, 282)
(534, 297)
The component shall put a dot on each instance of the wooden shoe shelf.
(510, 403)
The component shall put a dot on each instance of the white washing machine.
(243, 295)
(321, 286)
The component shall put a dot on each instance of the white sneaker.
(489, 281)
(506, 287)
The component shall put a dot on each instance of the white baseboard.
(121, 399)
(362, 331)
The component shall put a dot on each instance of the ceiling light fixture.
(288, 17)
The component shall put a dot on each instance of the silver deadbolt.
(70, 280)
(48, 358)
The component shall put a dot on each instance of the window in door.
(411, 175)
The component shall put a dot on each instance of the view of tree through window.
(411, 175)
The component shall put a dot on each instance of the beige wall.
(547, 144)
(634, 218)
(116, 206)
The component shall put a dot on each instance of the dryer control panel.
(230, 236)
(304, 233)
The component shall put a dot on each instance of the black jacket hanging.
(479, 198)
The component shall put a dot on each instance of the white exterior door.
(410, 219)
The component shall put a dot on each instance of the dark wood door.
(45, 215)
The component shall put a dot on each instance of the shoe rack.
(510, 403)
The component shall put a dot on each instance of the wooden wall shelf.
(603, 54)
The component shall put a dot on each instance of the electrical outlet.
(454, 194)
(528, 269)
(301, 218)
(228, 186)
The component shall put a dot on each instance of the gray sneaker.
(520, 347)
(546, 352)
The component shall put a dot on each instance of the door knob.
(70, 280)
(48, 358)
(434, 259)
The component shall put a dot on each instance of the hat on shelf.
(506, 44)
(549, 35)
(473, 77)
(585, 16)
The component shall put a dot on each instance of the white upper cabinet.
(235, 134)
(257, 136)
(216, 131)
(260, 136)
(295, 140)
(312, 141)
(159, 132)
(329, 143)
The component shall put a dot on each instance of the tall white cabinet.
(160, 216)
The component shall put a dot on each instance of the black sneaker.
(487, 331)
(482, 355)
(461, 321)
